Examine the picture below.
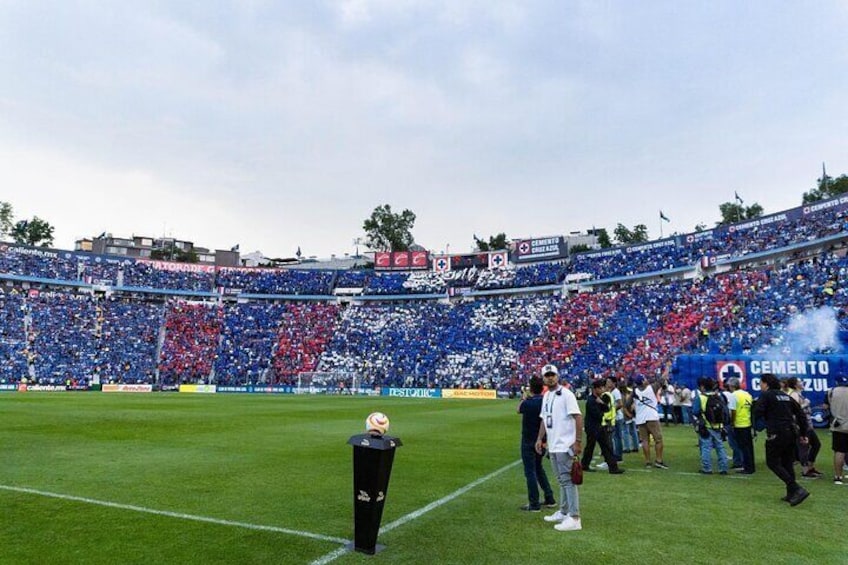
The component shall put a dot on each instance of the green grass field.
(283, 462)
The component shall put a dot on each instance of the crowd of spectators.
(129, 335)
(191, 339)
(725, 241)
(37, 263)
(760, 322)
(313, 282)
(55, 336)
(148, 275)
(305, 330)
(62, 337)
(353, 278)
(248, 341)
(405, 283)
(13, 337)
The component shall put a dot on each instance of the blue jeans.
(631, 438)
(707, 445)
(535, 474)
(734, 445)
(569, 501)
(687, 414)
(618, 439)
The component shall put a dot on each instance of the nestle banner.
(545, 248)
(412, 392)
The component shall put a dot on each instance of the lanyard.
(549, 404)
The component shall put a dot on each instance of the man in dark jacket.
(596, 405)
(785, 426)
(530, 409)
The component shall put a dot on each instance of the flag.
(738, 198)
(663, 217)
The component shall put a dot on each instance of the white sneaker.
(556, 517)
(569, 525)
(602, 466)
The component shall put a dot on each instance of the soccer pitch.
(170, 478)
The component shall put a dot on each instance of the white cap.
(548, 369)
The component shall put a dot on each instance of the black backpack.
(716, 412)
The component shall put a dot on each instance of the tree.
(495, 243)
(388, 231)
(626, 236)
(603, 238)
(732, 212)
(5, 220)
(33, 232)
(579, 248)
(173, 253)
(700, 227)
(827, 188)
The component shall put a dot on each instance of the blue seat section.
(63, 336)
(277, 281)
(13, 337)
(248, 340)
(129, 334)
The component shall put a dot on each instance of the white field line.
(730, 474)
(178, 515)
(333, 555)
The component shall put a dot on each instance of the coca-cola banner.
(401, 260)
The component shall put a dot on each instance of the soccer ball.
(377, 422)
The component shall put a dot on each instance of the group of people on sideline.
(625, 417)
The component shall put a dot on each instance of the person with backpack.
(785, 425)
(808, 452)
(711, 414)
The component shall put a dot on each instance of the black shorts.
(840, 442)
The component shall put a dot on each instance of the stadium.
(155, 411)
(308, 376)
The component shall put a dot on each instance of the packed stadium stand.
(72, 317)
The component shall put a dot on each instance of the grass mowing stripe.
(174, 514)
(332, 556)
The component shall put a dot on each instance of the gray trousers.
(569, 500)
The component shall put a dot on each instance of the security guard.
(785, 426)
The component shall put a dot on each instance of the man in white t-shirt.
(562, 426)
(648, 420)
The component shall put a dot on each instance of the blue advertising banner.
(818, 372)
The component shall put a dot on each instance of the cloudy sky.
(279, 125)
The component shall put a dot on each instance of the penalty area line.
(178, 515)
(332, 556)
